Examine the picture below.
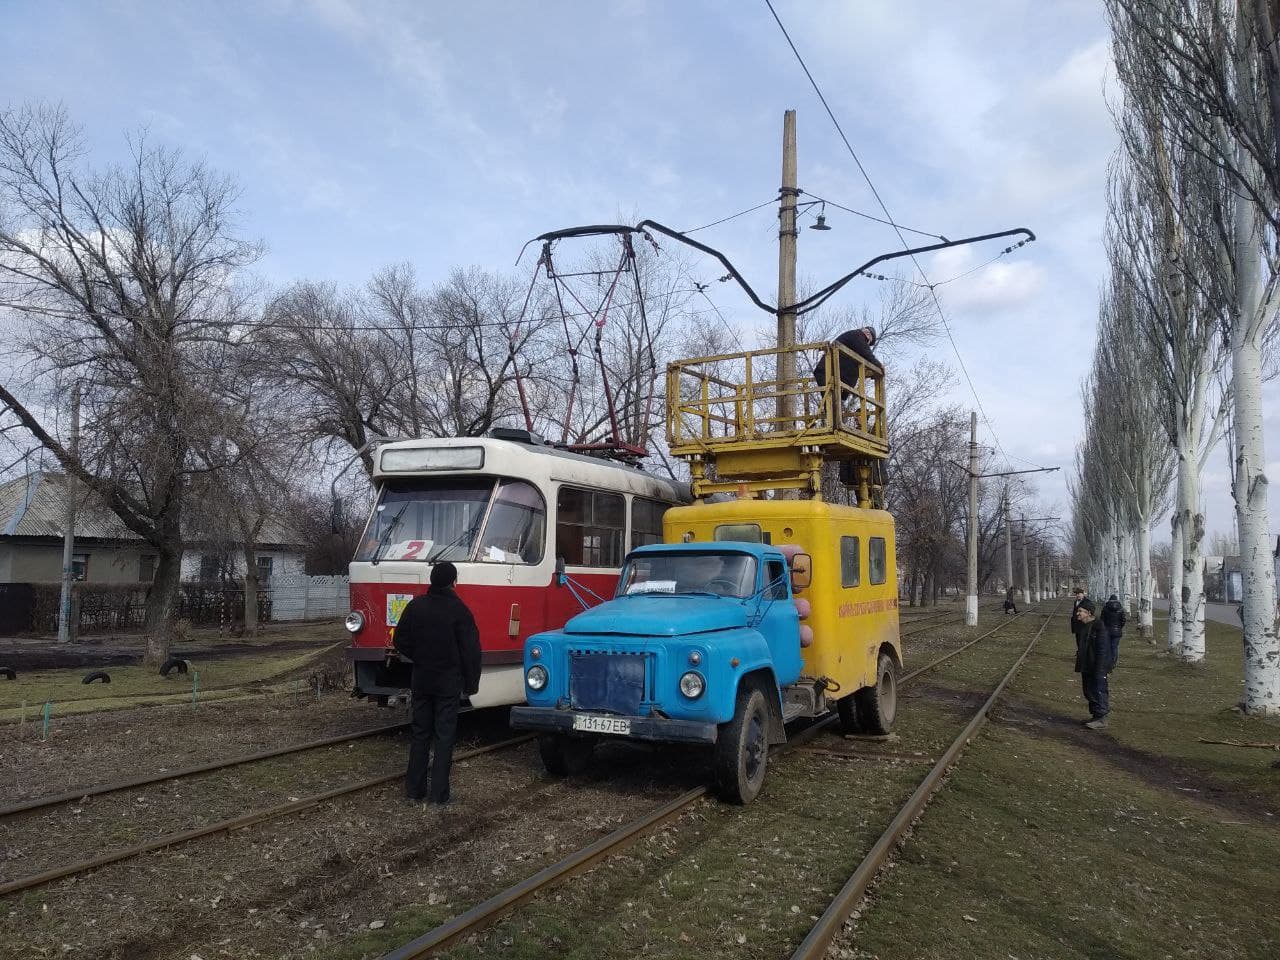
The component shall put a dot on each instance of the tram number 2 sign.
(396, 602)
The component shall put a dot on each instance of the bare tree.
(124, 283)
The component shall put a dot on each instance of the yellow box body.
(850, 624)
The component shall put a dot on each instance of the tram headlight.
(536, 677)
(692, 685)
(354, 622)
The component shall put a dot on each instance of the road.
(1217, 612)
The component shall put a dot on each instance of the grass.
(131, 686)
(1138, 843)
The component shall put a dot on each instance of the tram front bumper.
(552, 720)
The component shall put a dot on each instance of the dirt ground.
(1047, 841)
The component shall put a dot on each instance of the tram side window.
(646, 521)
(515, 530)
(850, 568)
(589, 527)
(876, 562)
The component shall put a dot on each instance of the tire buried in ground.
(174, 663)
(8, 673)
(97, 675)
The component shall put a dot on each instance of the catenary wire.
(897, 229)
(740, 213)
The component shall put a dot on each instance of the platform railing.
(732, 401)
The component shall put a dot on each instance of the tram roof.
(511, 455)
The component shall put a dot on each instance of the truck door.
(779, 622)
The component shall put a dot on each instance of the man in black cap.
(438, 634)
(1093, 663)
(859, 341)
(1113, 621)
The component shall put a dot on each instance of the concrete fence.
(300, 597)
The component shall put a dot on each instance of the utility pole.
(1026, 580)
(1053, 579)
(787, 271)
(69, 522)
(1008, 547)
(971, 598)
(1039, 594)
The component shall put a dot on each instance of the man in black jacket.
(1113, 621)
(860, 341)
(1093, 663)
(1081, 600)
(438, 634)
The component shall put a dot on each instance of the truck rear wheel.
(565, 756)
(878, 703)
(742, 748)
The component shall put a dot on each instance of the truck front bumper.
(641, 728)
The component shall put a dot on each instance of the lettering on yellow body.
(868, 606)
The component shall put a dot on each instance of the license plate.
(592, 724)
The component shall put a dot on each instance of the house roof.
(34, 506)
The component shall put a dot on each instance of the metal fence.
(101, 608)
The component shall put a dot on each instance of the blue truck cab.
(701, 643)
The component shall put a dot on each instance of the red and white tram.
(487, 504)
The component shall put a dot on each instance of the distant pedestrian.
(438, 634)
(1009, 606)
(1113, 621)
(1093, 663)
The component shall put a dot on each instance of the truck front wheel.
(565, 756)
(878, 703)
(742, 748)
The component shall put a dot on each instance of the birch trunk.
(1192, 525)
(1261, 646)
(1145, 625)
(1175, 585)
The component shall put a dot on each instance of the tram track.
(97, 790)
(251, 818)
(487, 912)
(821, 935)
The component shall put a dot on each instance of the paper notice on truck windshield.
(653, 586)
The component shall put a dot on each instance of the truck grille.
(599, 680)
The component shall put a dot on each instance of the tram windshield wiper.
(385, 537)
(466, 534)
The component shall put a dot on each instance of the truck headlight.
(692, 685)
(354, 622)
(536, 677)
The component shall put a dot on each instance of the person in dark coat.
(1081, 599)
(438, 634)
(1093, 663)
(1113, 621)
(860, 341)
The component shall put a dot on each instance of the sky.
(371, 132)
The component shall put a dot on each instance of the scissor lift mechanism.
(723, 419)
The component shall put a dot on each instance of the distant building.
(32, 509)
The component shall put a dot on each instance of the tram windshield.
(724, 575)
(457, 519)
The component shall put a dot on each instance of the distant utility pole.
(1026, 579)
(1008, 545)
(971, 598)
(69, 523)
(787, 270)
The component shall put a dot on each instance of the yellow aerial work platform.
(742, 426)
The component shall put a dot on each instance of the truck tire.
(565, 756)
(742, 748)
(878, 703)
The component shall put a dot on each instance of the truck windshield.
(721, 574)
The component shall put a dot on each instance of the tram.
(512, 512)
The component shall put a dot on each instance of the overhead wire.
(898, 229)
(741, 213)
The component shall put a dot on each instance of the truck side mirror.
(801, 571)
(559, 578)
